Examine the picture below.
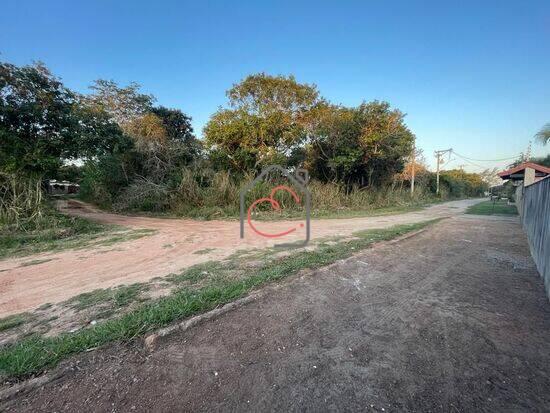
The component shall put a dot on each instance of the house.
(527, 173)
(522, 176)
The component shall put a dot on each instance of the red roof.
(538, 168)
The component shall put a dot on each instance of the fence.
(535, 217)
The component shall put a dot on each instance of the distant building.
(54, 187)
(527, 173)
(522, 176)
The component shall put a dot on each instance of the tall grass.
(29, 223)
(21, 202)
(204, 193)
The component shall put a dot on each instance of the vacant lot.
(454, 319)
(27, 283)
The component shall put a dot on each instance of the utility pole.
(412, 167)
(528, 156)
(438, 155)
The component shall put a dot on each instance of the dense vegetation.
(133, 155)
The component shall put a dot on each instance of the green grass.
(34, 354)
(54, 232)
(12, 321)
(207, 214)
(343, 213)
(488, 208)
(58, 232)
(116, 297)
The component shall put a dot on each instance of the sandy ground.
(178, 243)
(453, 319)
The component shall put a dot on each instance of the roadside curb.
(27, 385)
(150, 340)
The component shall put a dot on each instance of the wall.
(535, 217)
(519, 198)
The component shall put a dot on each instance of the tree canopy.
(123, 104)
(42, 122)
(364, 145)
(138, 155)
(268, 118)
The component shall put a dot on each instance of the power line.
(486, 160)
(472, 163)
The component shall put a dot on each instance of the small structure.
(522, 176)
(61, 187)
(527, 173)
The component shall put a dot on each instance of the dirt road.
(178, 243)
(453, 319)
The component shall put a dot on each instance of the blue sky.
(474, 76)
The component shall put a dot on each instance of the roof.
(539, 170)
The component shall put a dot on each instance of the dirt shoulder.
(455, 318)
(27, 283)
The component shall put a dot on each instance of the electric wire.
(486, 160)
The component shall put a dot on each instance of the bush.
(143, 195)
(200, 191)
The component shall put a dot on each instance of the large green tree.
(176, 123)
(43, 123)
(365, 145)
(179, 131)
(268, 118)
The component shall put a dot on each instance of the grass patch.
(55, 232)
(204, 251)
(32, 355)
(492, 208)
(229, 214)
(198, 272)
(127, 294)
(12, 321)
(117, 297)
(59, 232)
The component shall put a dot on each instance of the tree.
(268, 118)
(543, 135)
(37, 126)
(460, 183)
(123, 104)
(42, 123)
(147, 130)
(179, 131)
(99, 134)
(176, 123)
(366, 145)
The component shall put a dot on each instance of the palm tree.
(544, 134)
